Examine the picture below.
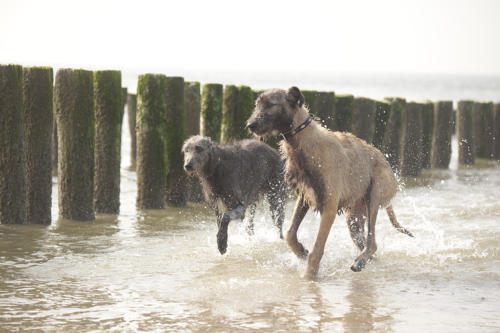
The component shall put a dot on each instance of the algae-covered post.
(245, 105)
(496, 118)
(391, 143)
(12, 143)
(465, 133)
(54, 145)
(192, 108)
(411, 154)
(483, 134)
(38, 124)
(441, 137)
(310, 97)
(427, 130)
(176, 180)
(229, 122)
(325, 108)
(343, 113)
(211, 110)
(382, 112)
(74, 109)
(108, 103)
(131, 115)
(151, 128)
(364, 113)
(237, 106)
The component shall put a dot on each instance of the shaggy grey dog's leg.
(223, 223)
(250, 229)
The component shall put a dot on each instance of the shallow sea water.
(161, 271)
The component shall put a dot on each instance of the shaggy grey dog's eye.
(198, 149)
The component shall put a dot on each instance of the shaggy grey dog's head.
(274, 111)
(197, 150)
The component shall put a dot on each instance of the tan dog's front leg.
(299, 212)
(327, 218)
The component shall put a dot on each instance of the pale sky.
(424, 36)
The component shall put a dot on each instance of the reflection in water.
(160, 270)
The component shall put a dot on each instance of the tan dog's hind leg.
(356, 219)
(327, 218)
(371, 244)
(299, 212)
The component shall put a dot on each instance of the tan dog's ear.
(294, 97)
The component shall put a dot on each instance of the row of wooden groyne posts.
(72, 128)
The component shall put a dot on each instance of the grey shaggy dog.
(234, 177)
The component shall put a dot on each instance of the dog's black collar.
(299, 128)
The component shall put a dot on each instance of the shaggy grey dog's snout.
(188, 166)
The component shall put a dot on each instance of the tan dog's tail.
(395, 222)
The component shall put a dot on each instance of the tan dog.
(329, 171)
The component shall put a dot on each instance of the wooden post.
(496, 117)
(393, 133)
(211, 110)
(465, 133)
(411, 155)
(325, 108)
(343, 113)
(441, 137)
(132, 114)
(192, 108)
(151, 125)
(176, 181)
(382, 112)
(38, 126)
(12, 143)
(237, 106)
(310, 99)
(246, 104)
(74, 104)
(364, 113)
(229, 122)
(483, 136)
(108, 103)
(427, 130)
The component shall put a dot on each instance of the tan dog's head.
(274, 111)
(197, 150)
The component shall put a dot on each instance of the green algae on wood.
(237, 106)
(411, 144)
(151, 128)
(192, 106)
(484, 131)
(441, 137)
(343, 113)
(465, 133)
(325, 108)
(211, 110)
(496, 127)
(38, 129)
(382, 112)
(12, 152)
(131, 115)
(74, 109)
(391, 145)
(364, 118)
(176, 179)
(108, 96)
(427, 131)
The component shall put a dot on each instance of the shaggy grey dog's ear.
(294, 97)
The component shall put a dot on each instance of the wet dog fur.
(235, 177)
(329, 172)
